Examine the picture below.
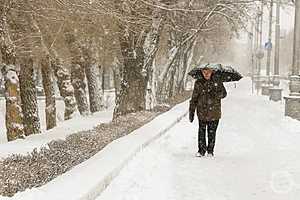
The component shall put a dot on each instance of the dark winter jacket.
(206, 98)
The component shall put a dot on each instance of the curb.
(95, 192)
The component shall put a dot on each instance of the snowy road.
(257, 157)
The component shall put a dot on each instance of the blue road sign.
(268, 45)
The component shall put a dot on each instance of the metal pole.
(296, 54)
(270, 41)
(251, 38)
(256, 47)
(260, 33)
(277, 40)
(276, 92)
(256, 43)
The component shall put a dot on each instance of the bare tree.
(14, 117)
(48, 81)
(90, 53)
(29, 98)
(138, 47)
(77, 70)
(64, 84)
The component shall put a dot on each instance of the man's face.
(207, 73)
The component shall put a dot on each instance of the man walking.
(206, 99)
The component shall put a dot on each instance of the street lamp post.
(261, 14)
(251, 41)
(268, 45)
(259, 53)
(276, 92)
(292, 102)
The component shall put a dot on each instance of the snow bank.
(64, 129)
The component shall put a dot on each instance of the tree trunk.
(95, 96)
(29, 98)
(162, 79)
(78, 77)
(103, 87)
(13, 118)
(91, 67)
(139, 51)
(47, 78)
(177, 42)
(65, 86)
(179, 72)
(185, 62)
(117, 72)
(172, 81)
(151, 101)
(77, 72)
(8, 51)
(134, 79)
(101, 78)
(151, 47)
(190, 56)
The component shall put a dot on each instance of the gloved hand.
(191, 117)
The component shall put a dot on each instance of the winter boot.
(198, 154)
(210, 154)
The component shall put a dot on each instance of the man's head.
(207, 73)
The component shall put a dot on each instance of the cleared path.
(257, 157)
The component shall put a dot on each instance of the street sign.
(268, 45)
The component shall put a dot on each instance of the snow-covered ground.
(256, 157)
(63, 129)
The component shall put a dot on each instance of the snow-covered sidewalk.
(257, 157)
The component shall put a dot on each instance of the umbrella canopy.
(222, 73)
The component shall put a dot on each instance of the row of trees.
(148, 44)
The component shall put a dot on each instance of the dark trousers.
(211, 127)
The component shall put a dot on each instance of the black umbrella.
(222, 73)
